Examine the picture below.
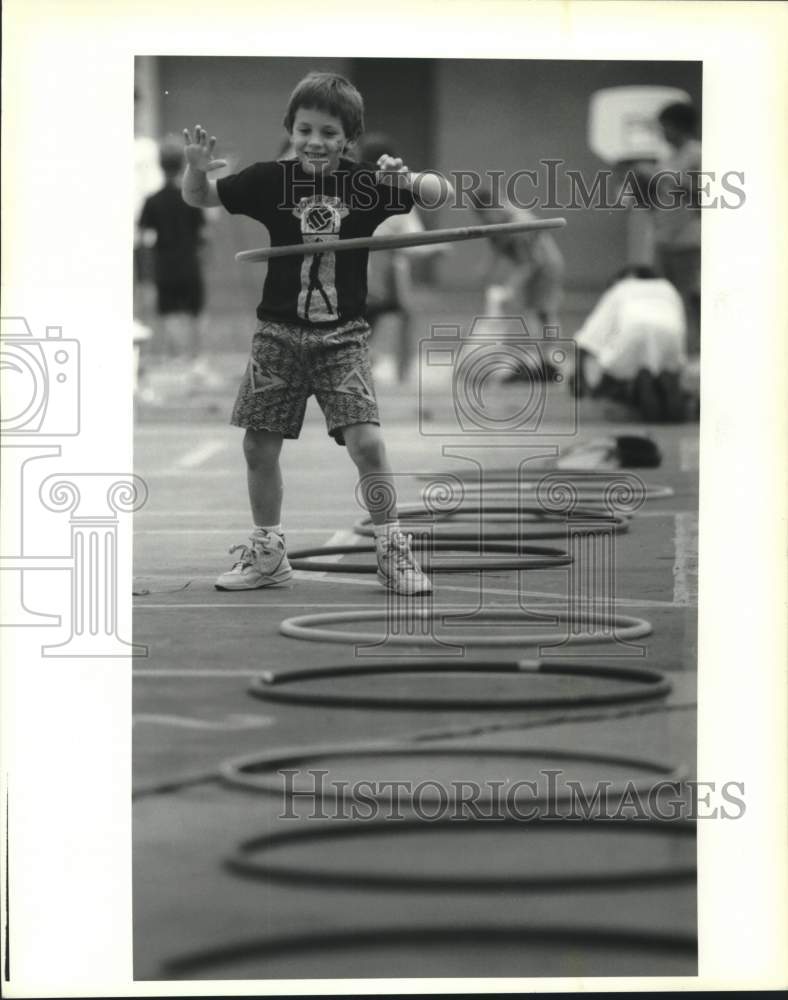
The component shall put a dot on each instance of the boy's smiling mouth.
(317, 161)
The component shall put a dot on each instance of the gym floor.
(195, 918)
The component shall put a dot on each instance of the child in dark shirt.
(177, 229)
(311, 335)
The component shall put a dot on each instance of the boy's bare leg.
(263, 475)
(262, 563)
(365, 446)
(397, 569)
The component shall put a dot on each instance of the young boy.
(311, 335)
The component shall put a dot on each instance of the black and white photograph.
(370, 503)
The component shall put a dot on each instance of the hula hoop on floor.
(252, 858)
(584, 521)
(259, 772)
(502, 478)
(523, 557)
(461, 935)
(277, 685)
(621, 627)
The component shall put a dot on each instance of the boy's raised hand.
(391, 170)
(198, 150)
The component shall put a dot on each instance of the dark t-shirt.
(321, 289)
(178, 229)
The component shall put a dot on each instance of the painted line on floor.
(277, 604)
(230, 723)
(200, 454)
(323, 604)
(685, 560)
(240, 513)
(235, 514)
(345, 536)
(188, 672)
(352, 580)
(553, 598)
(545, 598)
(177, 472)
(689, 453)
(234, 530)
(659, 513)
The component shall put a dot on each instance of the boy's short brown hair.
(333, 94)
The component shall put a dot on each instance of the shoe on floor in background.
(638, 452)
(625, 451)
(397, 566)
(262, 563)
(600, 454)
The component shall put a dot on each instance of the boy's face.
(318, 140)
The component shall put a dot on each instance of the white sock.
(259, 528)
(385, 530)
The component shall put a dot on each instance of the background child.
(311, 335)
(390, 304)
(526, 272)
(176, 231)
(672, 181)
(633, 345)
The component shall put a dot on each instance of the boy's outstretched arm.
(197, 189)
(430, 189)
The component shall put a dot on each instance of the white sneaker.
(263, 563)
(397, 567)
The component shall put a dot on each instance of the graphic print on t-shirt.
(321, 217)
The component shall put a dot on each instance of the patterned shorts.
(289, 363)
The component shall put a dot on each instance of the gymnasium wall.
(507, 115)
